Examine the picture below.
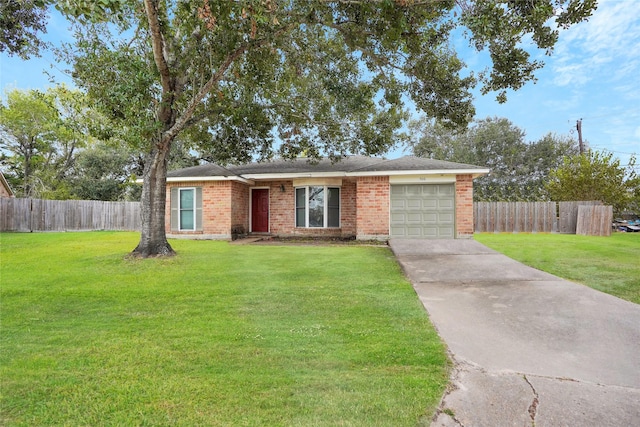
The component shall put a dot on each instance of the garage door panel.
(414, 204)
(412, 190)
(446, 190)
(430, 218)
(428, 190)
(398, 204)
(445, 204)
(423, 211)
(430, 204)
(414, 218)
(398, 217)
(414, 232)
(430, 232)
(445, 218)
(445, 233)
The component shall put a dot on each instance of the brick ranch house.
(361, 197)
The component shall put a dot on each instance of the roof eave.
(251, 178)
(210, 178)
(475, 172)
(203, 178)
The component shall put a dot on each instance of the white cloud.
(570, 75)
(587, 51)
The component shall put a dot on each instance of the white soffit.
(303, 182)
(422, 179)
(393, 174)
(453, 172)
(208, 178)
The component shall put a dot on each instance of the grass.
(608, 264)
(222, 335)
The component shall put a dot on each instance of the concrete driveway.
(529, 348)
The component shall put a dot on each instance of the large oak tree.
(242, 78)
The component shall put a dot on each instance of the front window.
(317, 206)
(187, 209)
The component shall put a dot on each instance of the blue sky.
(593, 75)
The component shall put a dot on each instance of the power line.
(612, 151)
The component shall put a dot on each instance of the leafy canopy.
(519, 169)
(53, 145)
(598, 176)
(22, 21)
(319, 77)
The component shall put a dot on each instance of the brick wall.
(372, 204)
(348, 199)
(281, 206)
(464, 206)
(282, 211)
(216, 208)
(364, 209)
(239, 207)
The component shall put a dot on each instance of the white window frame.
(180, 212)
(325, 216)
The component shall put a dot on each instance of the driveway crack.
(533, 408)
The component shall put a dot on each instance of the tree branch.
(182, 121)
(158, 42)
(185, 117)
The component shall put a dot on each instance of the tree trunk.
(153, 238)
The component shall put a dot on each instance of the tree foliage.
(498, 26)
(247, 78)
(21, 21)
(55, 146)
(597, 176)
(103, 172)
(518, 169)
(30, 126)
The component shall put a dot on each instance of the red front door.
(260, 210)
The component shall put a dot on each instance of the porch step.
(246, 240)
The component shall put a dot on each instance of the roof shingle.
(351, 164)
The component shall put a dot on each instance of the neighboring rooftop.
(5, 188)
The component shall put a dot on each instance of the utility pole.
(579, 128)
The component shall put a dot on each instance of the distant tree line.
(519, 169)
(54, 145)
(550, 168)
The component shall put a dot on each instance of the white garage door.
(423, 211)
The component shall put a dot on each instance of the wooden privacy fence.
(524, 217)
(528, 217)
(568, 215)
(594, 220)
(28, 215)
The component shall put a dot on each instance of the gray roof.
(209, 169)
(350, 164)
(412, 163)
(305, 165)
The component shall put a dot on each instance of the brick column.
(464, 206)
(372, 204)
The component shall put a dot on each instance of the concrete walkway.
(529, 348)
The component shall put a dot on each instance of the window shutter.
(198, 208)
(175, 213)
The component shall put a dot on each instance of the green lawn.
(608, 264)
(222, 335)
